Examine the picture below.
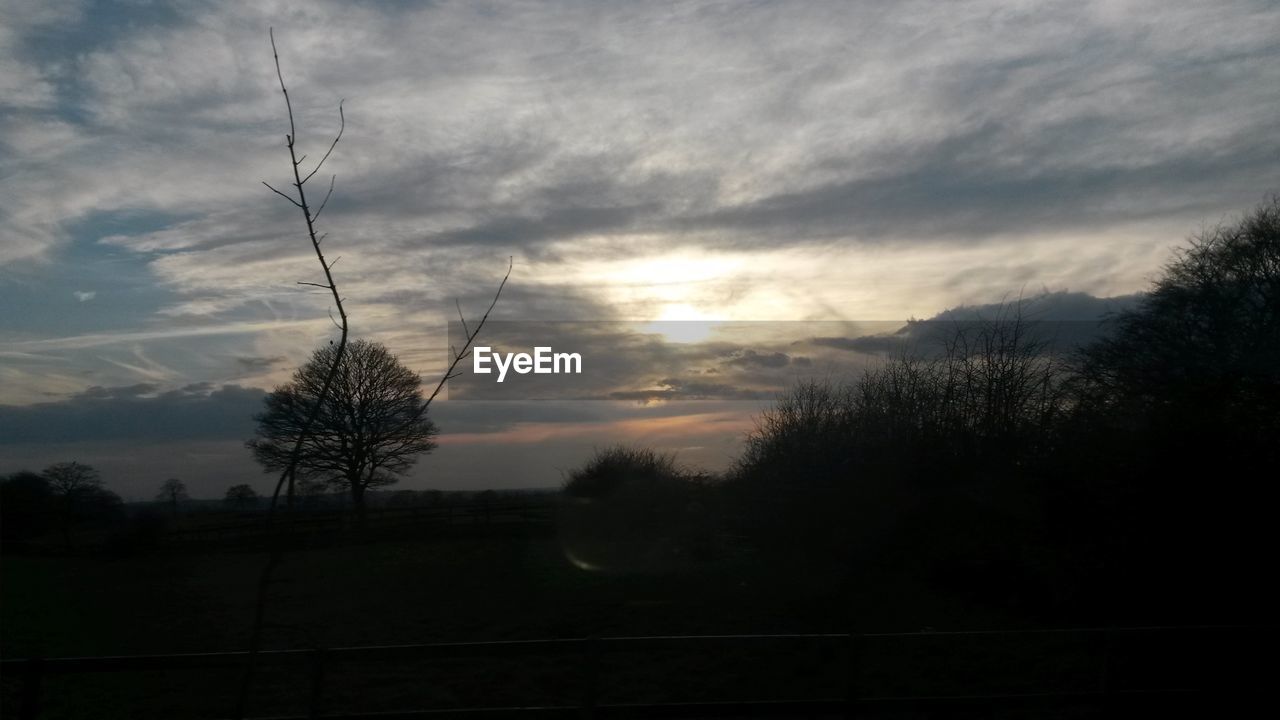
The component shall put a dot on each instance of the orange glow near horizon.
(679, 428)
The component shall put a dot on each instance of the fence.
(1104, 694)
(333, 525)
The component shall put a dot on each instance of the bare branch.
(461, 319)
(471, 336)
(286, 197)
(288, 475)
(326, 287)
(343, 126)
(326, 199)
(288, 105)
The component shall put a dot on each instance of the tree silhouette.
(632, 508)
(80, 493)
(1178, 410)
(72, 479)
(988, 394)
(290, 464)
(241, 497)
(173, 491)
(923, 470)
(1202, 349)
(27, 505)
(370, 428)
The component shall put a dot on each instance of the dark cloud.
(126, 392)
(676, 389)
(255, 363)
(751, 358)
(1063, 321)
(1062, 306)
(136, 414)
(499, 415)
(962, 187)
(563, 223)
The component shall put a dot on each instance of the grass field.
(491, 584)
(505, 583)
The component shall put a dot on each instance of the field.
(481, 584)
(492, 583)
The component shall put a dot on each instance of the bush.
(924, 468)
(28, 509)
(634, 509)
(621, 466)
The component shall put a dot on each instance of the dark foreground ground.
(513, 583)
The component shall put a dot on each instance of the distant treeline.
(68, 507)
(1127, 481)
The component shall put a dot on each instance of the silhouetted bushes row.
(67, 508)
(1128, 481)
(634, 509)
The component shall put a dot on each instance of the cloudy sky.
(831, 162)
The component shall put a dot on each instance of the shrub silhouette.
(925, 465)
(28, 508)
(1125, 484)
(241, 497)
(1174, 425)
(620, 466)
(634, 509)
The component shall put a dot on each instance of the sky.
(783, 163)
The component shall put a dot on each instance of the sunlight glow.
(682, 323)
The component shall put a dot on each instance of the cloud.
(79, 342)
(1062, 321)
(761, 161)
(84, 296)
(532, 125)
(649, 389)
(671, 389)
(751, 358)
(252, 364)
(135, 414)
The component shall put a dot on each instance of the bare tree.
(79, 490)
(369, 431)
(299, 183)
(240, 497)
(991, 390)
(173, 491)
(288, 473)
(72, 479)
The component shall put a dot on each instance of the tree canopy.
(369, 432)
(71, 479)
(172, 492)
(1201, 351)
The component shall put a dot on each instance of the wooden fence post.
(317, 683)
(32, 678)
(590, 676)
(1105, 685)
(854, 690)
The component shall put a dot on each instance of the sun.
(682, 323)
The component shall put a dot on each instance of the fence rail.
(589, 650)
(331, 522)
